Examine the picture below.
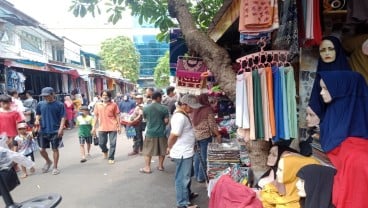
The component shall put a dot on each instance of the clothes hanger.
(264, 58)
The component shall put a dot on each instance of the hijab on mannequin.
(312, 118)
(339, 63)
(315, 177)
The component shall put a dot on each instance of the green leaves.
(151, 11)
(81, 8)
(161, 75)
(120, 54)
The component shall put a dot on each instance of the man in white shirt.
(181, 149)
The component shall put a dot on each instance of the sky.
(88, 32)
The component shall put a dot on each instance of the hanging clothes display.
(15, 80)
(258, 16)
(65, 85)
(271, 96)
(287, 35)
(242, 115)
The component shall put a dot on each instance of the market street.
(96, 183)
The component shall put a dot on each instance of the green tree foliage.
(162, 71)
(150, 11)
(120, 54)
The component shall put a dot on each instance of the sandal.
(193, 195)
(46, 167)
(160, 169)
(144, 171)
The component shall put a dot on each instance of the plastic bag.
(7, 157)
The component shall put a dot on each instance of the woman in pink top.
(69, 106)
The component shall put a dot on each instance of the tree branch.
(216, 58)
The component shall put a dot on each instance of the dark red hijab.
(201, 113)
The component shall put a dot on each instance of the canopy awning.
(63, 70)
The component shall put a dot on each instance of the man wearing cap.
(136, 121)
(181, 149)
(50, 117)
(155, 142)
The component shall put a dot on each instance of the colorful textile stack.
(220, 157)
(188, 75)
(258, 16)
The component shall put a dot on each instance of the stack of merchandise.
(220, 157)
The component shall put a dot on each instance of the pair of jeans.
(103, 136)
(183, 180)
(202, 148)
(138, 138)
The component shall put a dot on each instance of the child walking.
(84, 122)
(24, 144)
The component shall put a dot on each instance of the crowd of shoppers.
(148, 114)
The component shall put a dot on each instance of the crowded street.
(96, 183)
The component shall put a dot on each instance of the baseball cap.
(138, 96)
(22, 125)
(191, 101)
(47, 91)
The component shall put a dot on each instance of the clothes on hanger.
(271, 96)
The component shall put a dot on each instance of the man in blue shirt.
(50, 118)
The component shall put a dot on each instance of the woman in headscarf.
(332, 58)
(315, 186)
(288, 166)
(344, 135)
(205, 127)
(69, 107)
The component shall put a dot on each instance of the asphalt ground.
(97, 184)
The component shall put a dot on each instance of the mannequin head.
(272, 156)
(312, 118)
(326, 96)
(314, 177)
(289, 165)
(300, 186)
(327, 51)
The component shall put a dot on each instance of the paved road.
(99, 184)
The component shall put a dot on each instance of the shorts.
(87, 140)
(46, 139)
(154, 146)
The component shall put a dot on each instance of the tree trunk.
(218, 61)
(216, 58)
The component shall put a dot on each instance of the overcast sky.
(88, 31)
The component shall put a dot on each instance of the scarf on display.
(201, 113)
(292, 164)
(271, 197)
(188, 75)
(281, 148)
(340, 64)
(350, 182)
(347, 114)
(318, 183)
